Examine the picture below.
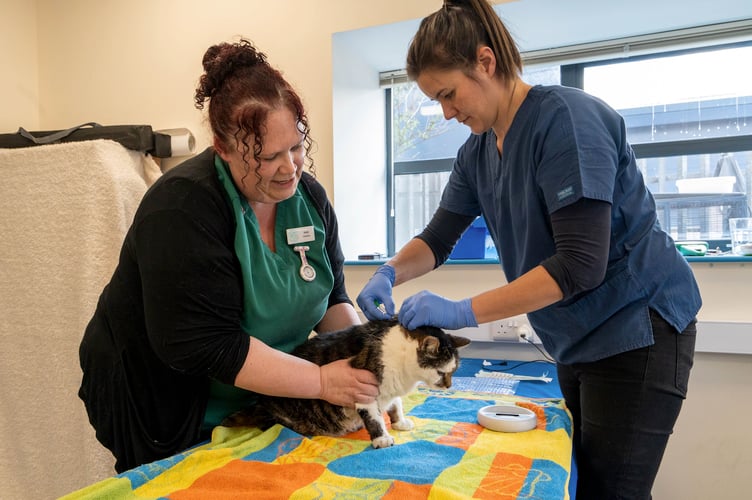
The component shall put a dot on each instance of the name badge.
(297, 235)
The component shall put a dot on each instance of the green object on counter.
(692, 248)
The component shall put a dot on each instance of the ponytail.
(449, 39)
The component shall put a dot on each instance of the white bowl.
(507, 418)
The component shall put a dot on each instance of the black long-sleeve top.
(169, 319)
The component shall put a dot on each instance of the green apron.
(280, 308)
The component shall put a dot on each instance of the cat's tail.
(252, 416)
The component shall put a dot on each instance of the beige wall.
(139, 61)
(18, 65)
(118, 62)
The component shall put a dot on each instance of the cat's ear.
(459, 341)
(429, 344)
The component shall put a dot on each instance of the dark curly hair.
(240, 88)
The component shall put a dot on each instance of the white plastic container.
(507, 418)
(712, 185)
(741, 235)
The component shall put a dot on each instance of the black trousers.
(624, 409)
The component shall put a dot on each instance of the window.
(688, 116)
(424, 146)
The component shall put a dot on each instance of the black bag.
(136, 137)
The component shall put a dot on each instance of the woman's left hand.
(343, 385)
(426, 308)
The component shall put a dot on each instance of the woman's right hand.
(343, 385)
(375, 300)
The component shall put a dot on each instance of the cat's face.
(438, 357)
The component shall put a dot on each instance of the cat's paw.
(403, 425)
(383, 441)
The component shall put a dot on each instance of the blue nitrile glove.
(375, 300)
(426, 308)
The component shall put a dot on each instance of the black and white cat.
(399, 358)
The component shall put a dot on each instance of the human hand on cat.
(343, 385)
(426, 308)
(378, 291)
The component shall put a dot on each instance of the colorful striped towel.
(447, 455)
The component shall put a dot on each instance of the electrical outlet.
(514, 329)
(526, 334)
(505, 330)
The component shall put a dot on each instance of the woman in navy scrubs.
(604, 287)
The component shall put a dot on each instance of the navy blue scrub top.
(564, 145)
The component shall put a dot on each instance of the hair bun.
(221, 61)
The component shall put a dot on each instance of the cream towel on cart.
(64, 211)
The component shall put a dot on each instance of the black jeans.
(623, 411)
